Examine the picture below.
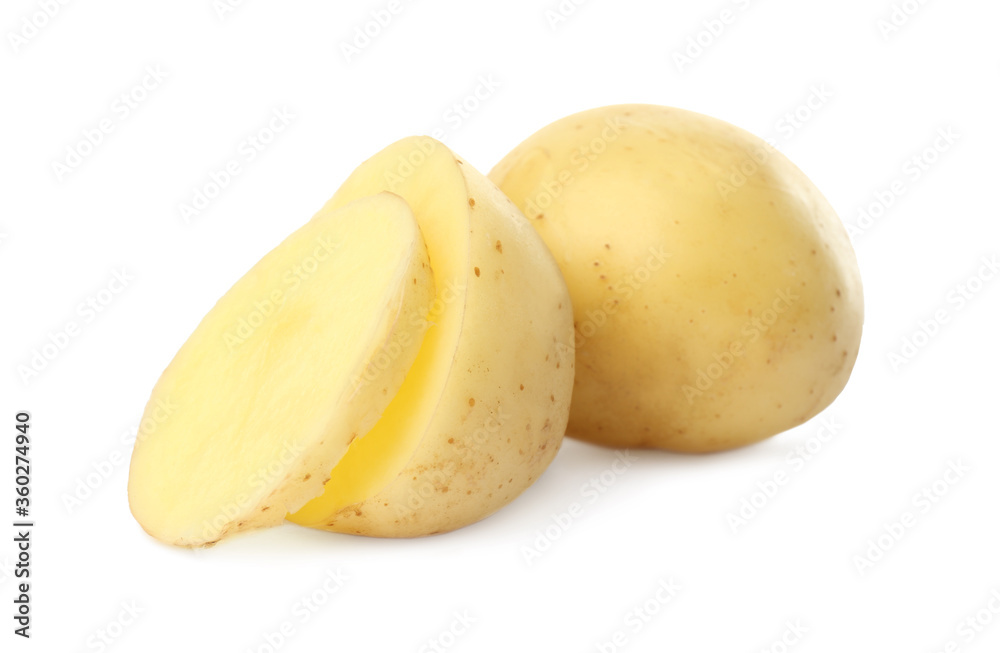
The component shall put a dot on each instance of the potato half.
(271, 388)
(716, 295)
(483, 409)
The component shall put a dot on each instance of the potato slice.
(484, 408)
(300, 357)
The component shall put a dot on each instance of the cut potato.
(717, 298)
(278, 378)
(483, 409)
(393, 390)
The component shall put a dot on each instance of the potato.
(267, 393)
(407, 386)
(717, 299)
(483, 409)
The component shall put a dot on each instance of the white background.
(667, 517)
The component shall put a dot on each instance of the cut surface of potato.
(300, 357)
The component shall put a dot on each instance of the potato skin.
(717, 298)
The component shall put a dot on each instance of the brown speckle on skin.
(476, 270)
(522, 386)
(451, 440)
(265, 508)
(607, 245)
(499, 247)
(472, 202)
(838, 292)
(834, 338)
(307, 477)
(472, 402)
(552, 398)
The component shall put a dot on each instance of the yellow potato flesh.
(436, 193)
(266, 394)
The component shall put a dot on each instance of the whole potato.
(717, 299)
